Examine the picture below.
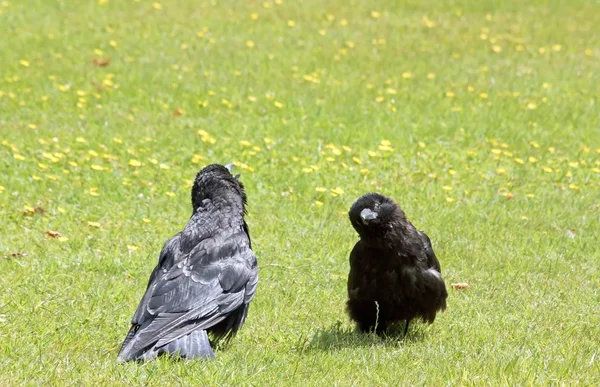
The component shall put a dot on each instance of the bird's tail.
(191, 346)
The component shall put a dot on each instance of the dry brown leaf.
(101, 62)
(460, 285)
(52, 234)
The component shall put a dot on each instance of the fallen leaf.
(101, 62)
(177, 112)
(460, 285)
(34, 210)
(14, 255)
(52, 234)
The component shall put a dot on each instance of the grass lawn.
(480, 118)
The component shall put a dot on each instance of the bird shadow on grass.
(337, 337)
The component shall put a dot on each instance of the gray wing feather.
(432, 260)
(192, 292)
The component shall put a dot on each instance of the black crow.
(394, 273)
(205, 278)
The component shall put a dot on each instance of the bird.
(394, 275)
(205, 278)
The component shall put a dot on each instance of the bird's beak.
(367, 215)
(229, 167)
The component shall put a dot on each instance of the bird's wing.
(432, 260)
(357, 275)
(196, 292)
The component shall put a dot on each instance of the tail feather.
(191, 346)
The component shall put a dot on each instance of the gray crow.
(394, 273)
(205, 279)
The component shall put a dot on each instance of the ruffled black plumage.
(394, 273)
(205, 279)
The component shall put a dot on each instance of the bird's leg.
(406, 327)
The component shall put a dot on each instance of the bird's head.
(374, 215)
(215, 181)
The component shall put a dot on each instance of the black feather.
(205, 278)
(394, 273)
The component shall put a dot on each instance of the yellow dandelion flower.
(36, 178)
(532, 159)
(573, 186)
(524, 217)
(447, 188)
(81, 140)
(337, 191)
(364, 171)
(291, 23)
(146, 220)
(430, 76)
(530, 195)
(450, 94)
(407, 75)
(94, 224)
(278, 104)
(250, 44)
(483, 95)
(449, 199)
(307, 170)
(163, 166)
(357, 160)
(318, 203)
(531, 106)
(63, 239)
(171, 194)
(375, 14)
(573, 164)
(496, 151)
(556, 47)
(346, 148)
(321, 189)
(452, 172)
(519, 161)
(24, 63)
(17, 156)
(496, 48)
(373, 153)
(254, 16)
(156, 6)
(113, 43)
(97, 167)
(132, 247)
(379, 99)
(135, 163)
(245, 143)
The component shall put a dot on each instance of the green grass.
(495, 154)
